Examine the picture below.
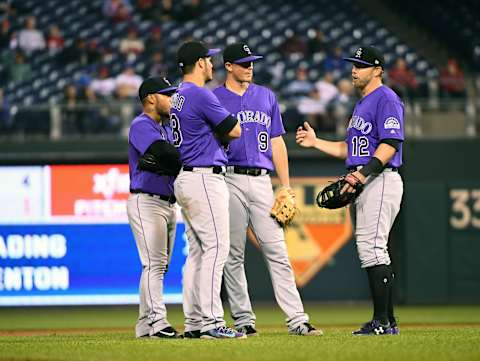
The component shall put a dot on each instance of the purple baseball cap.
(191, 51)
(239, 53)
(367, 56)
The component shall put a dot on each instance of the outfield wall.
(87, 255)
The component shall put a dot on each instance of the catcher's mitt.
(331, 198)
(285, 207)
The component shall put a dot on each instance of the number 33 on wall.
(465, 209)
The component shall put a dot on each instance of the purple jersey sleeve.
(390, 120)
(211, 109)
(277, 128)
(143, 134)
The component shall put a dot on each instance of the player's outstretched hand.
(306, 136)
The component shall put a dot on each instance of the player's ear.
(228, 66)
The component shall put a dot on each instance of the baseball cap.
(191, 51)
(367, 56)
(156, 85)
(239, 53)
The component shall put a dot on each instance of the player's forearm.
(384, 153)
(280, 160)
(335, 149)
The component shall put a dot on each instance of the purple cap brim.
(214, 51)
(355, 60)
(171, 89)
(248, 59)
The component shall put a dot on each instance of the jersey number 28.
(177, 133)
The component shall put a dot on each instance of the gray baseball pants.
(251, 199)
(203, 197)
(153, 225)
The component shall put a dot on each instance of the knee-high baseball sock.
(379, 280)
(390, 312)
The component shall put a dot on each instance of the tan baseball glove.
(285, 207)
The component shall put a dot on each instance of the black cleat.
(167, 332)
(248, 330)
(192, 334)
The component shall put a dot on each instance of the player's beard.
(208, 74)
(361, 83)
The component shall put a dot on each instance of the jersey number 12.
(360, 146)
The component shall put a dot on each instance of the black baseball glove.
(331, 198)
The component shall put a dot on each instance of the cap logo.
(247, 49)
(166, 81)
(358, 53)
(376, 61)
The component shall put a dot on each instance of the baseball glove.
(284, 208)
(331, 198)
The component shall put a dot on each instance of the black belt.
(170, 199)
(217, 169)
(356, 167)
(250, 171)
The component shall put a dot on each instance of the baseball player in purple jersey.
(251, 158)
(373, 152)
(153, 164)
(201, 128)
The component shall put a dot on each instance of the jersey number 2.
(177, 134)
(360, 146)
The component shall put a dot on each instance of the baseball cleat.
(248, 330)
(222, 333)
(192, 334)
(394, 330)
(167, 332)
(373, 328)
(305, 329)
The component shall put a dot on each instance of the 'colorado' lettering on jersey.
(194, 115)
(143, 132)
(377, 116)
(259, 116)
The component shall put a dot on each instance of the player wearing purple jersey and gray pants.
(153, 163)
(251, 158)
(201, 128)
(373, 153)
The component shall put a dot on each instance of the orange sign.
(89, 190)
(316, 234)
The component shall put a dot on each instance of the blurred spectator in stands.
(312, 109)
(55, 42)
(132, 45)
(402, 80)
(341, 106)
(5, 33)
(326, 88)
(147, 8)
(103, 85)
(318, 44)
(127, 83)
(30, 39)
(117, 10)
(154, 41)
(157, 66)
(335, 64)
(19, 70)
(189, 10)
(80, 51)
(293, 44)
(166, 10)
(5, 118)
(299, 87)
(452, 81)
(70, 110)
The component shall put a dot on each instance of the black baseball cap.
(156, 85)
(191, 51)
(367, 56)
(239, 53)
